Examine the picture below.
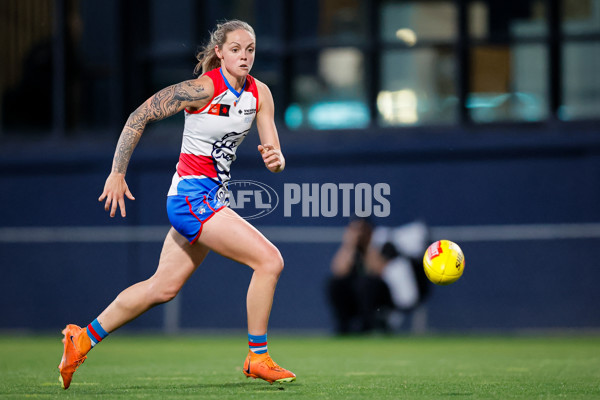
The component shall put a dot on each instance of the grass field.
(156, 367)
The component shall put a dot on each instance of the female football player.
(219, 107)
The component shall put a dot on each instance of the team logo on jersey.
(221, 110)
(223, 152)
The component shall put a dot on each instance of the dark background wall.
(543, 280)
(481, 116)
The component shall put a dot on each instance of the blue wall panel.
(508, 284)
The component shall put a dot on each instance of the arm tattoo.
(163, 104)
(127, 142)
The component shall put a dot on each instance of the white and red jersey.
(212, 134)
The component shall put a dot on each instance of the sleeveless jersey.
(212, 134)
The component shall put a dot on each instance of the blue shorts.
(188, 213)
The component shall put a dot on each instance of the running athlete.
(219, 109)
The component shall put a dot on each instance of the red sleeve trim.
(253, 88)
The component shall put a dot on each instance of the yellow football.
(444, 262)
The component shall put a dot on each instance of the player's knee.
(273, 263)
(163, 292)
(167, 294)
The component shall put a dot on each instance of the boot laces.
(80, 361)
(272, 364)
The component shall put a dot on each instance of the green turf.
(155, 367)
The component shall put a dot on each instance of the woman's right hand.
(115, 190)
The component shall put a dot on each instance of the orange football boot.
(77, 344)
(262, 366)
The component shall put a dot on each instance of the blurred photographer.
(376, 278)
(400, 264)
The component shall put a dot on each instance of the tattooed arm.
(193, 94)
(169, 101)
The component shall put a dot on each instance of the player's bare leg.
(230, 235)
(178, 260)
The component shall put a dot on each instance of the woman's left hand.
(272, 157)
